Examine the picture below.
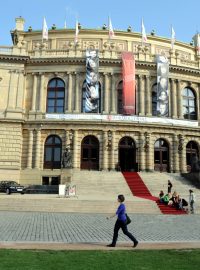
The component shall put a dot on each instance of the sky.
(158, 15)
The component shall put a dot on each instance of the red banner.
(128, 65)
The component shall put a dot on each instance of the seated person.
(184, 203)
(173, 198)
(166, 199)
(161, 195)
(178, 203)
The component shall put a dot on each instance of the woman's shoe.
(110, 245)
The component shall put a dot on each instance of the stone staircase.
(96, 193)
(157, 181)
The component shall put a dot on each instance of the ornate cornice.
(14, 58)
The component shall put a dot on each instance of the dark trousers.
(122, 225)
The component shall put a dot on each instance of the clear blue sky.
(157, 14)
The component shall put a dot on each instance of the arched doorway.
(52, 152)
(161, 156)
(90, 153)
(127, 155)
(192, 153)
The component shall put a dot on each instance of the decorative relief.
(65, 44)
(137, 47)
(184, 55)
(115, 46)
(162, 51)
(91, 44)
(37, 44)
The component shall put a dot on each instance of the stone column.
(182, 154)
(114, 95)
(12, 90)
(148, 152)
(179, 99)
(20, 91)
(142, 153)
(113, 162)
(141, 95)
(105, 152)
(106, 91)
(77, 100)
(30, 149)
(37, 153)
(75, 143)
(41, 102)
(69, 98)
(34, 93)
(173, 99)
(148, 96)
(175, 154)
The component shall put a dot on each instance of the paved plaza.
(65, 228)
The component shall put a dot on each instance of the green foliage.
(100, 260)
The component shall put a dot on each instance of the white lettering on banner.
(122, 118)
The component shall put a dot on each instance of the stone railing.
(6, 50)
(12, 50)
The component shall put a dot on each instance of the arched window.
(52, 152)
(189, 104)
(91, 100)
(55, 96)
(154, 99)
(120, 98)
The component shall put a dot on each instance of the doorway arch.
(90, 153)
(127, 155)
(161, 156)
(192, 152)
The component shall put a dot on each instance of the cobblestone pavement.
(24, 227)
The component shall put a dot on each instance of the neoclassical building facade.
(42, 86)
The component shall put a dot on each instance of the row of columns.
(16, 90)
(108, 94)
(144, 155)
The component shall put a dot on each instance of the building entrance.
(161, 156)
(127, 155)
(90, 153)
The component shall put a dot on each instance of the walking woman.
(121, 223)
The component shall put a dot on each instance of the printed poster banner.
(128, 66)
(162, 86)
(91, 93)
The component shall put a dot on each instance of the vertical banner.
(128, 65)
(162, 86)
(91, 93)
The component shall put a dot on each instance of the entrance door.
(161, 156)
(192, 154)
(127, 155)
(90, 153)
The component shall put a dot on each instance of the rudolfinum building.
(114, 103)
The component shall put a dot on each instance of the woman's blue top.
(121, 212)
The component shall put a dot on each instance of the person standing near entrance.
(169, 187)
(191, 201)
(121, 223)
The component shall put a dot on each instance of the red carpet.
(139, 189)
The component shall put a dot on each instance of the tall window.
(154, 99)
(120, 98)
(91, 100)
(52, 152)
(56, 96)
(189, 104)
